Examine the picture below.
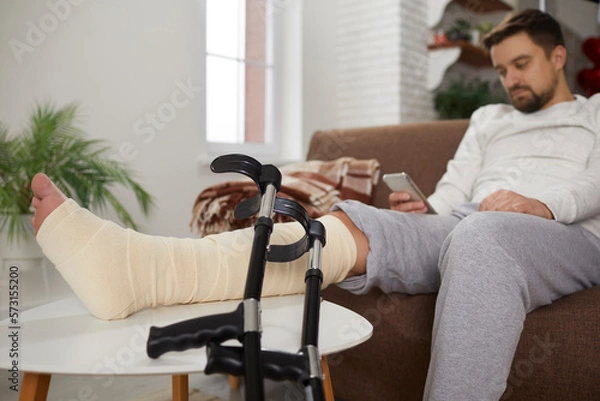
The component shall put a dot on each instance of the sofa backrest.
(420, 149)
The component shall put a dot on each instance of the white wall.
(319, 90)
(125, 62)
(382, 63)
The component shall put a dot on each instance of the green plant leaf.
(82, 168)
(461, 98)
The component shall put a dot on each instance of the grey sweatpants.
(490, 269)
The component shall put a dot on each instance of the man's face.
(528, 76)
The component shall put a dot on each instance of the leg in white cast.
(116, 271)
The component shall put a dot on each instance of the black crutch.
(305, 366)
(244, 323)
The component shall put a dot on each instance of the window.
(239, 72)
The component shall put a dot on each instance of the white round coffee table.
(63, 338)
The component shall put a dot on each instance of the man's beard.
(536, 101)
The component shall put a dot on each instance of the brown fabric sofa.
(558, 357)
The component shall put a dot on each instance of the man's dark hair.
(541, 27)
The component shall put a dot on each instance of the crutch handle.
(237, 163)
(262, 175)
(195, 333)
(278, 366)
(224, 359)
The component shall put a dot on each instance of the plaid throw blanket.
(315, 184)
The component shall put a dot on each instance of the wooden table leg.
(327, 385)
(234, 382)
(35, 387)
(180, 387)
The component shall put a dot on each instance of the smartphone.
(401, 182)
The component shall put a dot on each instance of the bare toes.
(43, 187)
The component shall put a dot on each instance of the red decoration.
(591, 48)
(589, 78)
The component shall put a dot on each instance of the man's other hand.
(400, 201)
(509, 201)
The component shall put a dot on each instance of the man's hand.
(399, 201)
(509, 201)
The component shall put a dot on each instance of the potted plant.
(479, 32)
(460, 30)
(461, 98)
(485, 27)
(82, 168)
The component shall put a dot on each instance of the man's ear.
(559, 57)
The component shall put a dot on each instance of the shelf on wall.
(437, 7)
(472, 55)
(484, 6)
(442, 56)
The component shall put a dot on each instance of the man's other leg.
(495, 268)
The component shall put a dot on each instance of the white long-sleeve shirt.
(552, 155)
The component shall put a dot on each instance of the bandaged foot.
(117, 271)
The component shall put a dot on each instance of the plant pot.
(26, 273)
(25, 252)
